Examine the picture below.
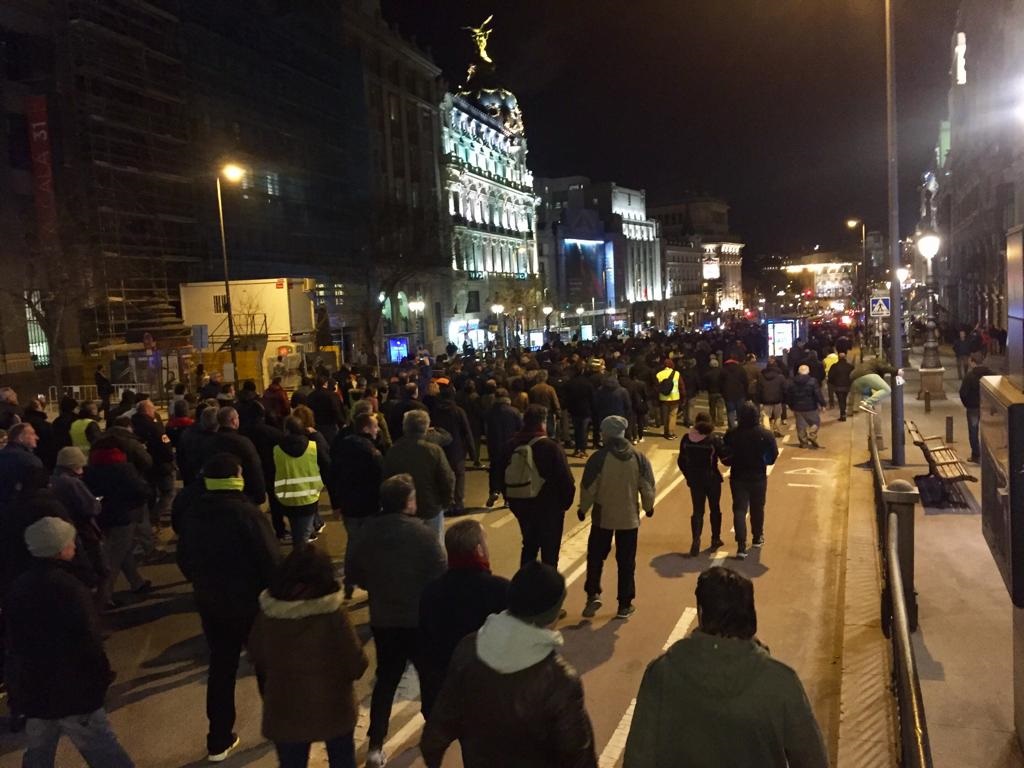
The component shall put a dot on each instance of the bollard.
(927, 401)
(949, 430)
(901, 497)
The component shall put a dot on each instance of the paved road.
(157, 704)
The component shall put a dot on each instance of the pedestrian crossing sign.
(880, 306)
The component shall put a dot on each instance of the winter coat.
(749, 451)
(241, 447)
(275, 404)
(698, 459)
(354, 477)
(16, 463)
(308, 657)
(450, 417)
(616, 481)
(872, 366)
(717, 701)
(119, 486)
(328, 410)
(47, 447)
(55, 666)
(753, 371)
(426, 462)
(228, 551)
(192, 449)
(805, 393)
(637, 394)
(544, 394)
(771, 386)
(153, 436)
(250, 409)
(840, 375)
(970, 387)
(62, 429)
(734, 382)
(394, 558)
(176, 427)
(579, 396)
(611, 399)
(126, 441)
(511, 700)
(712, 381)
(502, 424)
(559, 487)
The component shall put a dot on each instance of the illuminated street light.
(902, 274)
(928, 244)
(417, 306)
(233, 174)
(497, 308)
(579, 310)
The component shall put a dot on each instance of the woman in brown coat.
(307, 658)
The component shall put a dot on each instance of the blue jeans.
(353, 527)
(90, 733)
(341, 753)
(436, 524)
(973, 420)
(731, 407)
(581, 426)
(301, 520)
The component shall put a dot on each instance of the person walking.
(718, 698)
(579, 392)
(712, 382)
(807, 402)
(56, 669)
(617, 482)
(670, 388)
(228, 439)
(749, 450)
(735, 387)
(151, 432)
(447, 415)
(229, 553)
(298, 480)
(503, 422)
(542, 393)
(413, 454)
(840, 382)
(353, 482)
(970, 397)
(394, 559)
(962, 351)
(82, 507)
(307, 657)
(771, 394)
(699, 453)
(456, 604)
(509, 697)
(541, 489)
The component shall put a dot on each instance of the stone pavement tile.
(974, 748)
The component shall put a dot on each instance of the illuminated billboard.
(585, 264)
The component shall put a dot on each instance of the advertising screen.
(584, 269)
(781, 335)
(398, 349)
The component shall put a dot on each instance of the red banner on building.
(42, 170)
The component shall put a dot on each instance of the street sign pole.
(896, 316)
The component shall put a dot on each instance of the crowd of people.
(240, 477)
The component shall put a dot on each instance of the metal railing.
(894, 504)
(89, 392)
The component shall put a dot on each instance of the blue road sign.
(880, 306)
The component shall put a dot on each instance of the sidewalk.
(964, 641)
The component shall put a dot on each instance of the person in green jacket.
(718, 698)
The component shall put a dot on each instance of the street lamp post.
(417, 307)
(234, 174)
(547, 309)
(853, 224)
(579, 314)
(931, 365)
(496, 310)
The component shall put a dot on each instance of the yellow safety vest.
(78, 437)
(297, 480)
(663, 374)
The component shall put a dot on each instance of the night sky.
(777, 105)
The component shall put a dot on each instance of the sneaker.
(144, 588)
(741, 553)
(313, 536)
(716, 543)
(974, 460)
(490, 503)
(625, 611)
(592, 607)
(376, 758)
(866, 408)
(759, 542)
(220, 757)
(814, 442)
(843, 417)
(319, 527)
(695, 549)
(670, 437)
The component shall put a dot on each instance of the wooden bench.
(942, 460)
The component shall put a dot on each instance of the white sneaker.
(220, 757)
(866, 408)
(376, 758)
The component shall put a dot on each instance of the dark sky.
(777, 105)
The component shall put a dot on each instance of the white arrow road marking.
(805, 471)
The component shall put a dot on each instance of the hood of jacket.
(300, 609)
(508, 645)
(619, 447)
(611, 383)
(719, 667)
(294, 445)
(803, 378)
(695, 436)
(771, 373)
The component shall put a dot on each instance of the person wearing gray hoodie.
(509, 697)
(718, 698)
(617, 480)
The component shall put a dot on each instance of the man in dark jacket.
(68, 407)
(612, 399)
(735, 387)
(712, 382)
(394, 559)
(699, 699)
(193, 444)
(229, 440)
(962, 351)
(749, 449)
(699, 453)
(456, 604)
(771, 394)
(450, 417)
(840, 381)
(542, 517)
(228, 551)
(503, 422)
(509, 697)
(46, 448)
(161, 477)
(56, 670)
(580, 392)
(424, 460)
(328, 409)
(970, 396)
(17, 459)
(353, 482)
(806, 400)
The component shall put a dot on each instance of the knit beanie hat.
(536, 594)
(71, 457)
(614, 426)
(47, 536)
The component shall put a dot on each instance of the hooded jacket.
(242, 448)
(698, 459)
(559, 487)
(616, 481)
(712, 701)
(771, 386)
(355, 475)
(612, 399)
(734, 381)
(805, 393)
(117, 484)
(511, 701)
(308, 656)
(840, 375)
(749, 450)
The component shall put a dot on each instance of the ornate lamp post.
(547, 309)
(931, 366)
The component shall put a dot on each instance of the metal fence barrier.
(894, 504)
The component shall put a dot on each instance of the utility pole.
(895, 289)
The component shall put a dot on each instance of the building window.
(473, 302)
(437, 318)
(38, 346)
(220, 304)
(272, 183)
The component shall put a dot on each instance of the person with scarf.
(699, 453)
